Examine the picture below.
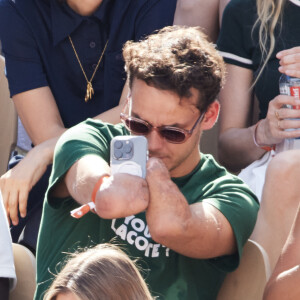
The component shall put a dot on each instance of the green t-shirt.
(169, 275)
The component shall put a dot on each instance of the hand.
(122, 195)
(168, 211)
(160, 188)
(272, 130)
(289, 61)
(16, 183)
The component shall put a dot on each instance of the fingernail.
(278, 55)
(23, 215)
(280, 69)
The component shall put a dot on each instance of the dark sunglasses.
(171, 134)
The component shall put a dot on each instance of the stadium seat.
(249, 280)
(25, 265)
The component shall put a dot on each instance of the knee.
(282, 180)
(285, 166)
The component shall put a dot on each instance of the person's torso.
(170, 275)
(115, 22)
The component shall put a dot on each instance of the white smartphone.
(129, 154)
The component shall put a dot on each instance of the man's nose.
(155, 141)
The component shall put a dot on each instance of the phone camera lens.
(118, 144)
(127, 148)
(118, 153)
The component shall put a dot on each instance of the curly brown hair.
(177, 58)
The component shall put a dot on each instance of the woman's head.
(102, 272)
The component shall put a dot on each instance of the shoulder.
(13, 10)
(91, 131)
(241, 10)
(210, 166)
(19, 5)
(219, 177)
(241, 5)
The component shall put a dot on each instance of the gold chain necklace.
(89, 88)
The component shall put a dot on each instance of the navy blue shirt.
(35, 43)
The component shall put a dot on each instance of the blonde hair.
(102, 272)
(269, 14)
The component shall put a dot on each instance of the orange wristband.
(79, 212)
(264, 147)
(97, 186)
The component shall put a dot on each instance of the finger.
(287, 113)
(290, 59)
(290, 69)
(293, 73)
(291, 66)
(290, 51)
(13, 206)
(23, 197)
(289, 134)
(288, 125)
(282, 100)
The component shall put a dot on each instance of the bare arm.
(198, 230)
(39, 114)
(199, 13)
(236, 145)
(41, 118)
(16, 183)
(284, 282)
(119, 196)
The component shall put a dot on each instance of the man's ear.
(211, 116)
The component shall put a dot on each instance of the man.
(64, 64)
(188, 220)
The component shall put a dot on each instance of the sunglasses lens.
(141, 128)
(137, 127)
(173, 136)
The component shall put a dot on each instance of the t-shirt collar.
(65, 20)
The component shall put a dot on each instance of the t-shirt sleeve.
(233, 198)
(24, 68)
(240, 207)
(235, 39)
(87, 138)
(155, 14)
